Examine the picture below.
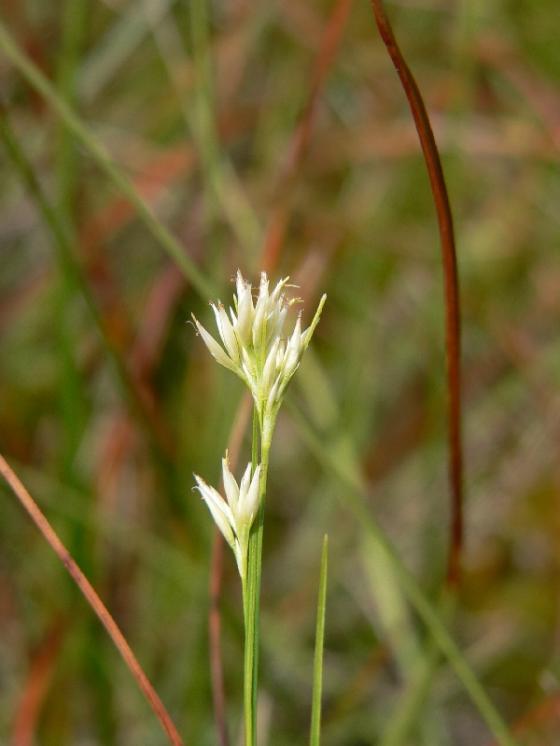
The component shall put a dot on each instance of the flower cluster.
(253, 344)
(255, 347)
(234, 516)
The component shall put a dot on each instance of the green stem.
(251, 585)
(72, 393)
(315, 735)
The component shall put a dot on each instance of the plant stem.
(94, 601)
(251, 585)
(315, 736)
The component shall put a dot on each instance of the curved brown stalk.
(97, 605)
(451, 282)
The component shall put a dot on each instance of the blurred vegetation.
(109, 401)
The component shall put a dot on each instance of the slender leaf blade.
(315, 736)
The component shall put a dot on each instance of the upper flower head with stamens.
(253, 344)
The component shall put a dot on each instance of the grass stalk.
(451, 286)
(315, 734)
(251, 585)
(72, 393)
(92, 598)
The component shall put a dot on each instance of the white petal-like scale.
(275, 296)
(245, 309)
(221, 513)
(214, 348)
(228, 335)
(245, 319)
(291, 364)
(259, 320)
(279, 321)
(251, 496)
(263, 288)
(216, 311)
(269, 369)
(219, 323)
(230, 485)
(272, 399)
(244, 485)
(295, 340)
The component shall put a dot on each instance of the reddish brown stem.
(97, 605)
(451, 282)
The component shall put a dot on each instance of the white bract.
(235, 515)
(253, 343)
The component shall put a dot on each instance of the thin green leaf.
(315, 735)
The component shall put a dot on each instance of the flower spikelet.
(253, 343)
(234, 516)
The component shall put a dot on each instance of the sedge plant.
(253, 343)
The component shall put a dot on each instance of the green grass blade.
(315, 736)
(72, 393)
(104, 160)
(432, 620)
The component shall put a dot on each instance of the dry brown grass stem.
(89, 593)
(451, 283)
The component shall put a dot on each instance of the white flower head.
(252, 340)
(234, 516)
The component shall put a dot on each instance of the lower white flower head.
(253, 343)
(235, 515)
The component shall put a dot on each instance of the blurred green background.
(200, 105)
